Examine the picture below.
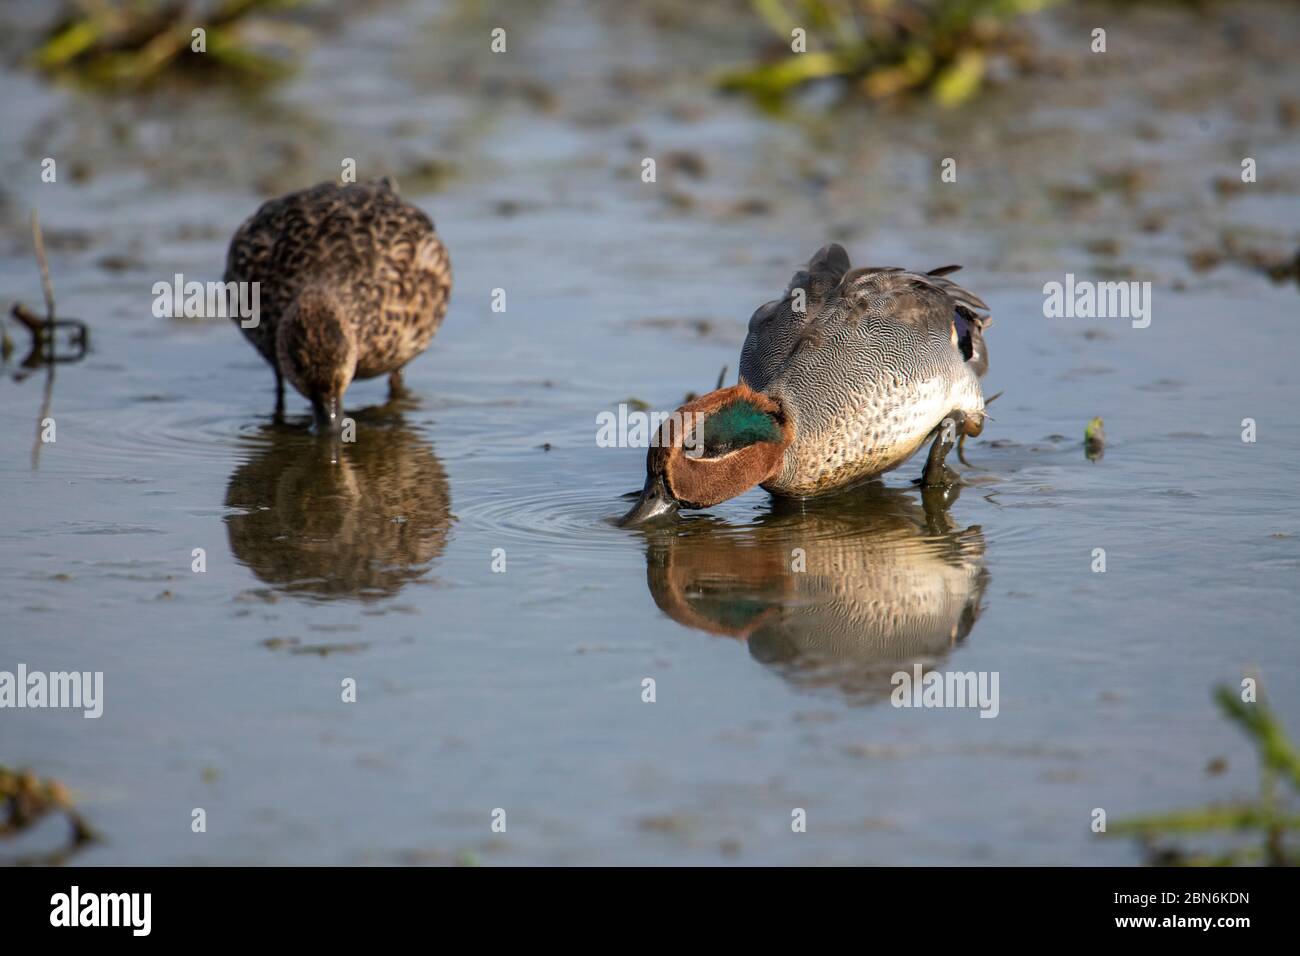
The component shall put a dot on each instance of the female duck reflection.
(340, 520)
(837, 593)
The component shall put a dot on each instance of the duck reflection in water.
(331, 519)
(837, 593)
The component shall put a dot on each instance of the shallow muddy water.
(522, 690)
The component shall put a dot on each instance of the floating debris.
(1094, 439)
(295, 645)
(26, 799)
(687, 162)
(1277, 264)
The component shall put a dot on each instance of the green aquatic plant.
(1094, 439)
(1270, 819)
(884, 48)
(131, 42)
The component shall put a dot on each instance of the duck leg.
(936, 502)
(279, 394)
(395, 387)
(936, 473)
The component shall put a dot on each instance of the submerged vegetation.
(1270, 819)
(884, 48)
(132, 42)
(26, 799)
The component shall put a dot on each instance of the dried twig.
(35, 324)
(39, 329)
(47, 286)
(43, 330)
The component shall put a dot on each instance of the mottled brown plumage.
(354, 283)
(356, 520)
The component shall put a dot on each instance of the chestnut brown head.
(712, 449)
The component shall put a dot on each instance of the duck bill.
(655, 502)
(329, 414)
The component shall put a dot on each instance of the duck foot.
(961, 442)
(936, 473)
(961, 451)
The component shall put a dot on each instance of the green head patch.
(738, 425)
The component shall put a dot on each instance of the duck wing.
(931, 304)
(774, 323)
(970, 319)
(915, 312)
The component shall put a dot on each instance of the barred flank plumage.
(867, 370)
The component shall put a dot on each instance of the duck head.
(317, 352)
(710, 450)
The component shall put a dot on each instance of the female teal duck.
(842, 379)
(353, 284)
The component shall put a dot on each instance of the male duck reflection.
(832, 594)
(842, 379)
(353, 283)
(340, 520)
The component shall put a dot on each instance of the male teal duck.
(353, 281)
(842, 379)
(891, 580)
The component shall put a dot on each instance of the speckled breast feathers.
(376, 255)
